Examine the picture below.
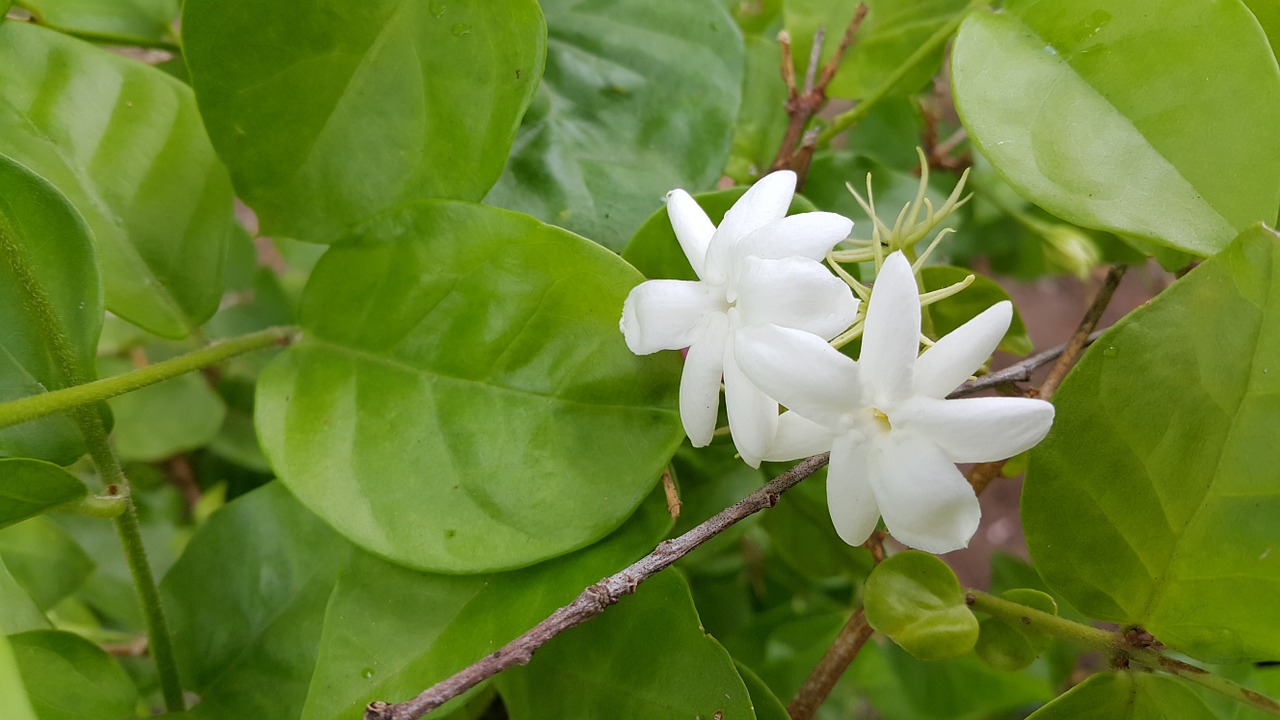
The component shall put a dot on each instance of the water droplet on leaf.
(367, 673)
(460, 29)
(436, 7)
(1110, 352)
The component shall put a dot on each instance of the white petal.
(891, 338)
(692, 227)
(798, 437)
(926, 502)
(700, 383)
(666, 314)
(951, 360)
(753, 415)
(977, 429)
(793, 292)
(763, 203)
(810, 235)
(850, 498)
(800, 371)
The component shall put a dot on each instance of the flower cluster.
(760, 316)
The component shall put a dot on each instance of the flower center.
(881, 420)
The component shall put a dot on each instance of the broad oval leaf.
(1155, 499)
(670, 667)
(635, 101)
(49, 295)
(1109, 114)
(1126, 696)
(117, 22)
(328, 113)
(31, 487)
(463, 400)
(69, 678)
(916, 600)
(124, 142)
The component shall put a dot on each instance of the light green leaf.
(13, 694)
(915, 599)
(1082, 107)
(328, 113)
(162, 420)
(70, 678)
(1008, 646)
(44, 559)
(117, 22)
(669, 669)
(636, 101)
(1164, 448)
(962, 307)
(1267, 14)
(463, 400)
(124, 142)
(18, 611)
(31, 487)
(45, 250)
(1126, 696)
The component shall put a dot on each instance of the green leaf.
(18, 611)
(49, 293)
(44, 559)
(133, 159)
(1010, 647)
(1126, 696)
(70, 678)
(463, 400)
(31, 487)
(117, 22)
(915, 599)
(648, 658)
(962, 307)
(891, 32)
(801, 534)
(762, 117)
(165, 419)
(635, 101)
(342, 111)
(1267, 14)
(766, 705)
(307, 621)
(1163, 448)
(1079, 107)
(13, 695)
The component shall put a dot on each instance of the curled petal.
(796, 293)
(951, 360)
(977, 429)
(666, 314)
(850, 497)
(926, 502)
(763, 203)
(692, 227)
(800, 371)
(753, 415)
(891, 336)
(798, 438)
(811, 235)
(700, 382)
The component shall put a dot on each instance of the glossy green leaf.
(463, 400)
(43, 241)
(915, 599)
(44, 559)
(13, 694)
(134, 160)
(762, 117)
(1009, 646)
(165, 419)
(1126, 696)
(656, 253)
(952, 312)
(117, 22)
(70, 678)
(31, 487)
(670, 668)
(1163, 447)
(1078, 105)
(308, 626)
(635, 101)
(891, 32)
(343, 111)
(18, 611)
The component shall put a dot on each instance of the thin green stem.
(1114, 643)
(37, 406)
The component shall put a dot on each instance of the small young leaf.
(916, 600)
(31, 487)
(70, 678)
(1126, 696)
(1008, 646)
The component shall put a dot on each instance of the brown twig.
(1018, 372)
(673, 496)
(593, 600)
(831, 668)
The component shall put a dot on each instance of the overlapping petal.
(811, 235)
(850, 497)
(763, 203)
(977, 429)
(800, 371)
(753, 415)
(793, 292)
(891, 336)
(798, 437)
(667, 314)
(926, 502)
(700, 382)
(951, 360)
(692, 227)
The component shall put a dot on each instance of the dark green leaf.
(762, 118)
(463, 400)
(45, 250)
(1009, 646)
(31, 487)
(801, 533)
(1126, 696)
(70, 678)
(635, 101)
(915, 599)
(1077, 104)
(118, 22)
(958, 309)
(133, 159)
(341, 111)
(766, 705)
(1164, 449)
(165, 419)
(1267, 14)
(44, 559)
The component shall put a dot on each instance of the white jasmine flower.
(894, 439)
(758, 267)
